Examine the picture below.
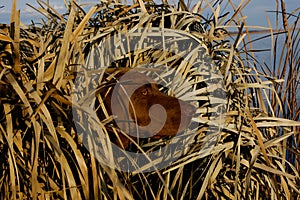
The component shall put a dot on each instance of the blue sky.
(255, 10)
(27, 13)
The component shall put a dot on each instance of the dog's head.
(142, 110)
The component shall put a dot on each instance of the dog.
(141, 110)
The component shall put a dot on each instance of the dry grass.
(41, 147)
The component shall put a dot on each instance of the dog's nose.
(187, 109)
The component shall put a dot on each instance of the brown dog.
(141, 110)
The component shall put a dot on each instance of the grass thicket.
(256, 156)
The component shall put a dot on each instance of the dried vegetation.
(256, 155)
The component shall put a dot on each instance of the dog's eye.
(145, 92)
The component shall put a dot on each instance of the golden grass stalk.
(42, 150)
